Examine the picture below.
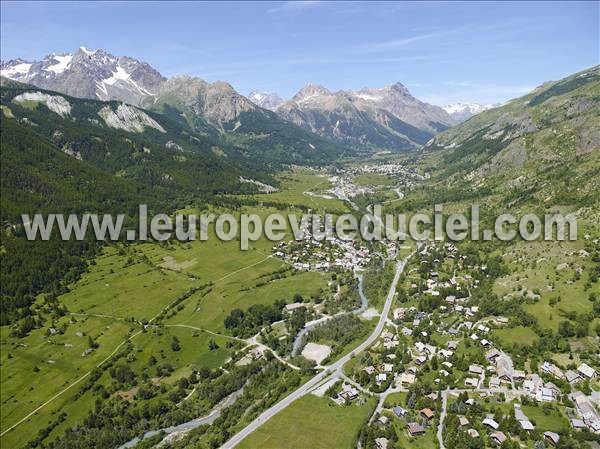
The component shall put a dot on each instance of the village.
(436, 369)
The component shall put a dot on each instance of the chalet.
(552, 438)
(388, 367)
(463, 421)
(289, 308)
(349, 393)
(517, 374)
(256, 353)
(381, 443)
(452, 345)
(472, 382)
(446, 353)
(400, 412)
(526, 425)
(383, 420)
(406, 331)
(498, 437)
(420, 360)
(552, 369)
(492, 354)
(407, 379)
(586, 371)
(482, 328)
(415, 429)
(381, 377)
(475, 369)
(369, 370)
(427, 413)
(490, 423)
(399, 313)
(572, 377)
(578, 424)
(545, 395)
(494, 382)
(473, 433)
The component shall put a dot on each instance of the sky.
(444, 52)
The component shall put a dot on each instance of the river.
(189, 425)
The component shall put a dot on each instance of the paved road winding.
(331, 369)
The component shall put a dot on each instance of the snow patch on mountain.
(55, 103)
(62, 63)
(128, 118)
(16, 71)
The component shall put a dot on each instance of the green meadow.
(311, 422)
(123, 286)
(304, 188)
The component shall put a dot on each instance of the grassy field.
(311, 422)
(36, 367)
(137, 282)
(395, 399)
(239, 291)
(123, 286)
(554, 421)
(535, 267)
(293, 191)
(373, 179)
(515, 335)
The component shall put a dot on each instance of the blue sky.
(443, 52)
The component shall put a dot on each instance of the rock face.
(385, 118)
(55, 103)
(128, 118)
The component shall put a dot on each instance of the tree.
(212, 344)
(91, 343)
(175, 346)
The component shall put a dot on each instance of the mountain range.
(327, 123)
(464, 111)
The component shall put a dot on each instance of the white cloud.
(395, 44)
(294, 6)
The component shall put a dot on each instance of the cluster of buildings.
(328, 254)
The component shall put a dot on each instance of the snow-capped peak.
(86, 51)
(267, 100)
(464, 111)
(88, 74)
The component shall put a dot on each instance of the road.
(331, 369)
(440, 431)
